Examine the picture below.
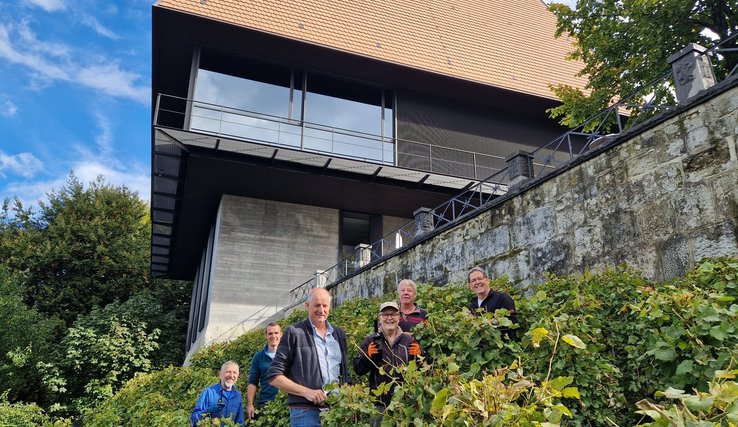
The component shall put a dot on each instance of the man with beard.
(221, 400)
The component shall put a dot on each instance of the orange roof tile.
(503, 43)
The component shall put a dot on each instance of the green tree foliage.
(78, 312)
(101, 353)
(87, 248)
(624, 45)
(26, 338)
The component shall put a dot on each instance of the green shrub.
(589, 348)
(158, 399)
(26, 415)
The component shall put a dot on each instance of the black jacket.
(389, 357)
(496, 301)
(297, 359)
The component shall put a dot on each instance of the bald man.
(311, 355)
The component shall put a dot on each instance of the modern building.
(287, 132)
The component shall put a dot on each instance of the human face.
(319, 306)
(273, 334)
(407, 294)
(479, 284)
(228, 376)
(389, 320)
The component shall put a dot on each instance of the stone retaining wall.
(658, 198)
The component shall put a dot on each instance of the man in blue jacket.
(221, 400)
(311, 355)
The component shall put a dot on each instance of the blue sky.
(74, 94)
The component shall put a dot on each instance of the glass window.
(264, 102)
(345, 118)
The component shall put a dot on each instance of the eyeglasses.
(386, 315)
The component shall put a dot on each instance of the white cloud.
(104, 139)
(92, 22)
(23, 164)
(49, 5)
(51, 62)
(8, 108)
(135, 177)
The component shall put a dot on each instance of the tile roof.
(503, 43)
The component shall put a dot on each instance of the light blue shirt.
(329, 354)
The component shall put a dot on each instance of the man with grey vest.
(311, 355)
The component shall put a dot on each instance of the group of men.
(309, 361)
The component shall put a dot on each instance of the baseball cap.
(389, 304)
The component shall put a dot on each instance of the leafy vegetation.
(624, 45)
(594, 349)
(79, 315)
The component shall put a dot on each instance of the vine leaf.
(574, 341)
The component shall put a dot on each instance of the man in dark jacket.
(387, 349)
(486, 299)
(311, 355)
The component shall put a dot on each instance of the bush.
(590, 348)
(162, 398)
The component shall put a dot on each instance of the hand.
(315, 396)
(372, 350)
(250, 410)
(216, 408)
(414, 349)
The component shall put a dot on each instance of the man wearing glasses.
(485, 299)
(387, 349)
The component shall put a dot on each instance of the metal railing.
(265, 129)
(551, 156)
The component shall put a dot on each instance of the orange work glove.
(414, 349)
(372, 350)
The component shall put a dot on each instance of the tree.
(87, 248)
(26, 338)
(101, 353)
(624, 45)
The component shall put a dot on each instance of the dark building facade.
(286, 133)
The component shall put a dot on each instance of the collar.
(328, 327)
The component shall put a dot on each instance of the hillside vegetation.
(591, 349)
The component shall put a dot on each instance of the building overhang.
(191, 172)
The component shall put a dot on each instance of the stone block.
(716, 241)
(588, 248)
(552, 256)
(675, 257)
(533, 227)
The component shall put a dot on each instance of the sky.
(75, 95)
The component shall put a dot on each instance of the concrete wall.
(659, 198)
(263, 249)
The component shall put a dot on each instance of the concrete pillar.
(319, 279)
(692, 71)
(363, 254)
(519, 168)
(423, 221)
